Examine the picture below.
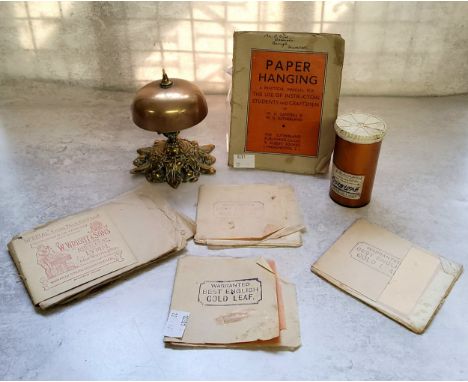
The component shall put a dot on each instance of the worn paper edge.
(267, 345)
(259, 261)
(408, 323)
(83, 289)
(274, 162)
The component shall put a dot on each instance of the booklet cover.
(284, 102)
(392, 275)
(265, 215)
(69, 257)
(231, 302)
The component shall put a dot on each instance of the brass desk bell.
(166, 107)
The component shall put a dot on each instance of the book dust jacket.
(284, 102)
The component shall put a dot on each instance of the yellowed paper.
(404, 289)
(289, 338)
(248, 215)
(230, 300)
(149, 231)
(291, 240)
(405, 282)
(69, 253)
(146, 224)
(182, 223)
(238, 212)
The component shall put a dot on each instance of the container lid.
(360, 128)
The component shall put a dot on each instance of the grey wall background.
(392, 48)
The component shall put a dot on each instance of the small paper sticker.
(345, 184)
(244, 161)
(176, 323)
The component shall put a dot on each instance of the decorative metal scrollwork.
(174, 161)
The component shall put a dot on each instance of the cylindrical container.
(357, 147)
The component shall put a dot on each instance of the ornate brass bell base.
(174, 161)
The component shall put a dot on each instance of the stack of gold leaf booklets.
(257, 215)
(67, 258)
(399, 279)
(232, 302)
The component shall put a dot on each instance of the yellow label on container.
(346, 185)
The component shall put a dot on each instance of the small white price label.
(244, 161)
(176, 323)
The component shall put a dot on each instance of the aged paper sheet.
(239, 312)
(137, 228)
(230, 300)
(68, 253)
(389, 273)
(248, 215)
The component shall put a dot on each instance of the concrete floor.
(66, 149)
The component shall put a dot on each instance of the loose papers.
(69, 257)
(404, 282)
(232, 302)
(248, 215)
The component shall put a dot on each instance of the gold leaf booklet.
(285, 94)
(254, 215)
(69, 257)
(232, 302)
(399, 279)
